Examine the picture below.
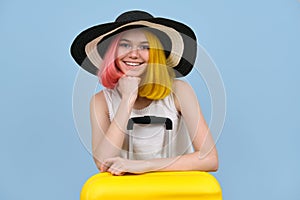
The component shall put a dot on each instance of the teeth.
(132, 64)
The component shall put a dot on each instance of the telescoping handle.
(149, 120)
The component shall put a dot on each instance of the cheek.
(120, 54)
(145, 55)
(119, 58)
(119, 65)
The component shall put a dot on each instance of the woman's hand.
(128, 87)
(119, 166)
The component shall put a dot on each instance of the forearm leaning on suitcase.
(188, 162)
(107, 137)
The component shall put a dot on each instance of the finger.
(103, 167)
(110, 161)
(119, 173)
(123, 76)
(111, 170)
(116, 171)
(106, 164)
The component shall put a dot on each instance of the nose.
(134, 53)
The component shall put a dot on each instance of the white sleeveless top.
(148, 140)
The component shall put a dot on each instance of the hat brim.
(181, 55)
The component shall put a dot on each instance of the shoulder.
(99, 96)
(103, 96)
(98, 102)
(180, 84)
(182, 88)
(182, 91)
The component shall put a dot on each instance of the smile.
(133, 64)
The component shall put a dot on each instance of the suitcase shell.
(186, 185)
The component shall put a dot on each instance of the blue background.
(255, 45)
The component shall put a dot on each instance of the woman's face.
(133, 53)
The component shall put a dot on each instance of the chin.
(133, 74)
(136, 72)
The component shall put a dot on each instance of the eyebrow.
(130, 41)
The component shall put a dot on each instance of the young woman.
(137, 59)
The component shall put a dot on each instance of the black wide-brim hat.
(178, 40)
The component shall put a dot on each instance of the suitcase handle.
(150, 120)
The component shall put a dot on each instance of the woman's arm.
(205, 157)
(187, 162)
(108, 137)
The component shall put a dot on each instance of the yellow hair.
(158, 79)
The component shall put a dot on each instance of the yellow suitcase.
(186, 185)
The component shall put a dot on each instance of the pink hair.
(109, 74)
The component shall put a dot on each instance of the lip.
(133, 64)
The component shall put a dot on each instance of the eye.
(144, 47)
(125, 45)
